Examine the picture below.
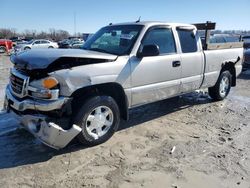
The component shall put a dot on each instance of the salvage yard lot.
(211, 141)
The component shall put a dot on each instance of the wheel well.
(110, 89)
(231, 68)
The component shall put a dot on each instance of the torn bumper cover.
(48, 132)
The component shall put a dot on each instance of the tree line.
(57, 35)
(52, 34)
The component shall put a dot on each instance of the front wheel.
(222, 86)
(99, 118)
(27, 48)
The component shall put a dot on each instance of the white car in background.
(36, 44)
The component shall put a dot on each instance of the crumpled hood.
(37, 59)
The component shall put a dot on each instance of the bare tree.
(5, 33)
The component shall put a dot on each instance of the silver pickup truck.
(61, 94)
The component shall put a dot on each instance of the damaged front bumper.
(39, 125)
(49, 133)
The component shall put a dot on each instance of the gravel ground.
(5, 65)
(188, 141)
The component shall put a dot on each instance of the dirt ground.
(210, 144)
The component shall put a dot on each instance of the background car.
(33, 44)
(224, 38)
(246, 62)
(71, 43)
(5, 45)
(246, 40)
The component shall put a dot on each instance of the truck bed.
(229, 45)
(216, 57)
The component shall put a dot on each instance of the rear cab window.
(188, 40)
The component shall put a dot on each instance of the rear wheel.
(222, 86)
(99, 118)
(51, 47)
(3, 49)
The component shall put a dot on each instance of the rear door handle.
(176, 63)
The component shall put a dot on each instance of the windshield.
(30, 42)
(117, 40)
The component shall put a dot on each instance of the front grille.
(18, 83)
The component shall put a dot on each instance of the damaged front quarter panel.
(92, 74)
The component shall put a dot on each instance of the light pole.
(75, 22)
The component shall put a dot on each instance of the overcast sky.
(92, 14)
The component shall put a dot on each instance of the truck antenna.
(138, 20)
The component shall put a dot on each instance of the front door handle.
(176, 63)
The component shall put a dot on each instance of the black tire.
(3, 49)
(81, 119)
(215, 91)
(51, 47)
(27, 48)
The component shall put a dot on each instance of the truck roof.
(152, 23)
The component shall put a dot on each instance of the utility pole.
(75, 22)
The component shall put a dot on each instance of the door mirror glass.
(149, 50)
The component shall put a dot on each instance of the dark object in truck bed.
(208, 26)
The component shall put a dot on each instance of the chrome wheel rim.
(99, 121)
(224, 86)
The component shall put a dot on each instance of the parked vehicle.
(61, 94)
(246, 62)
(72, 44)
(223, 38)
(5, 45)
(87, 36)
(246, 40)
(17, 40)
(35, 44)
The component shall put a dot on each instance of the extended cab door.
(157, 77)
(192, 59)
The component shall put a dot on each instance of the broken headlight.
(47, 88)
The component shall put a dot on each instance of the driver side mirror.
(149, 50)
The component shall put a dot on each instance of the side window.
(163, 37)
(187, 40)
(44, 42)
(37, 42)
